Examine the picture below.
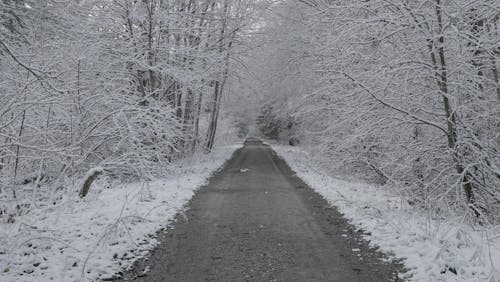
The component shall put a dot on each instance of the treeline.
(122, 87)
(401, 92)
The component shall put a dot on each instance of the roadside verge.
(432, 249)
(98, 236)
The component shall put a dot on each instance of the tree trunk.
(91, 177)
(451, 119)
(219, 84)
(16, 162)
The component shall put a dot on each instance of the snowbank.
(96, 237)
(432, 249)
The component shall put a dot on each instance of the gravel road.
(257, 221)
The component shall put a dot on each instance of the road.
(257, 221)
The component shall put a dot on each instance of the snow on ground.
(433, 249)
(96, 237)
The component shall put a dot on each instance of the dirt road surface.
(257, 221)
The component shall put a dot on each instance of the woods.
(399, 92)
(115, 113)
(125, 87)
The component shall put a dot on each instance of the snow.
(433, 249)
(100, 235)
(93, 171)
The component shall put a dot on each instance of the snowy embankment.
(95, 237)
(433, 250)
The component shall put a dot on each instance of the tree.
(396, 91)
(117, 86)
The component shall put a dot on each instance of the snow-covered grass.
(432, 249)
(95, 237)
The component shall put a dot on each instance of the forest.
(99, 94)
(122, 88)
(403, 93)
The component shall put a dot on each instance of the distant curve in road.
(257, 221)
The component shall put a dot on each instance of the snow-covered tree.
(397, 91)
(121, 87)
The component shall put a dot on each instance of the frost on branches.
(404, 93)
(125, 86)
(104, 93)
